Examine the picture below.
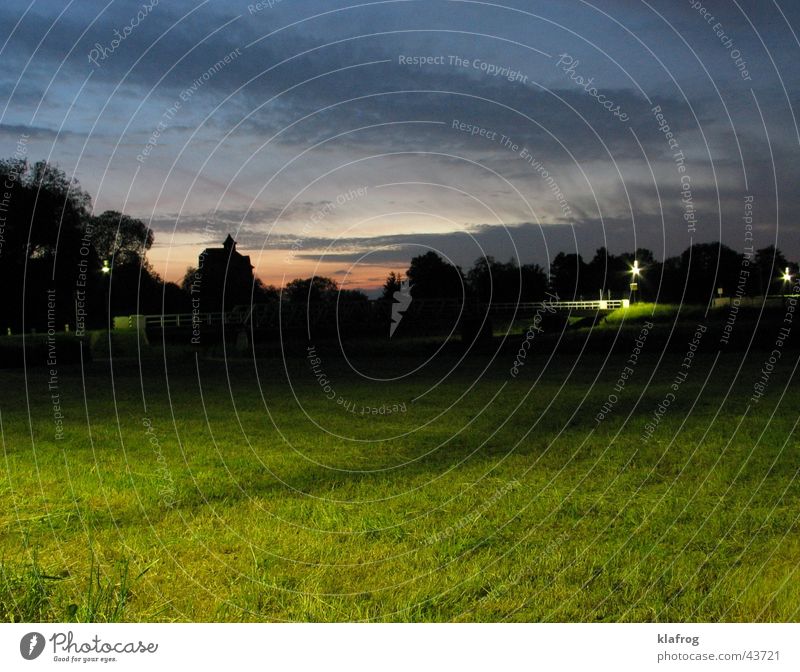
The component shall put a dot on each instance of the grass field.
(210, 489)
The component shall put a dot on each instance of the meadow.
(218, 487)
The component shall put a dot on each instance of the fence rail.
(273, 314)
(185, 319)
(602, 304)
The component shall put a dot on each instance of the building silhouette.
(224, 279)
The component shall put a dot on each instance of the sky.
(343, 138)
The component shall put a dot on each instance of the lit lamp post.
(106, 270)
(787, 280)
(635, 271)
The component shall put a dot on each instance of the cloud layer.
(471, 128)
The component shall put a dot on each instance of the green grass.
(650, 312)
(222, 500)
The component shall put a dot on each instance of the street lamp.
(107, 287)
(635, 272)
(787, 276)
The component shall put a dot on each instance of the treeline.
(62, 265)
(695, 276)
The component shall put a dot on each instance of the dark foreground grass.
(215, 491)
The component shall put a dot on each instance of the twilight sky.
(343, 138)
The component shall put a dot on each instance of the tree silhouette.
(120, 237)
(569, 277)
(432, 277)
(392, 285)
(707, 266)
(311, 290)
(490, 280)
(769, 265)
(43, 253)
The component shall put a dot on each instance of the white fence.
(242, 316)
